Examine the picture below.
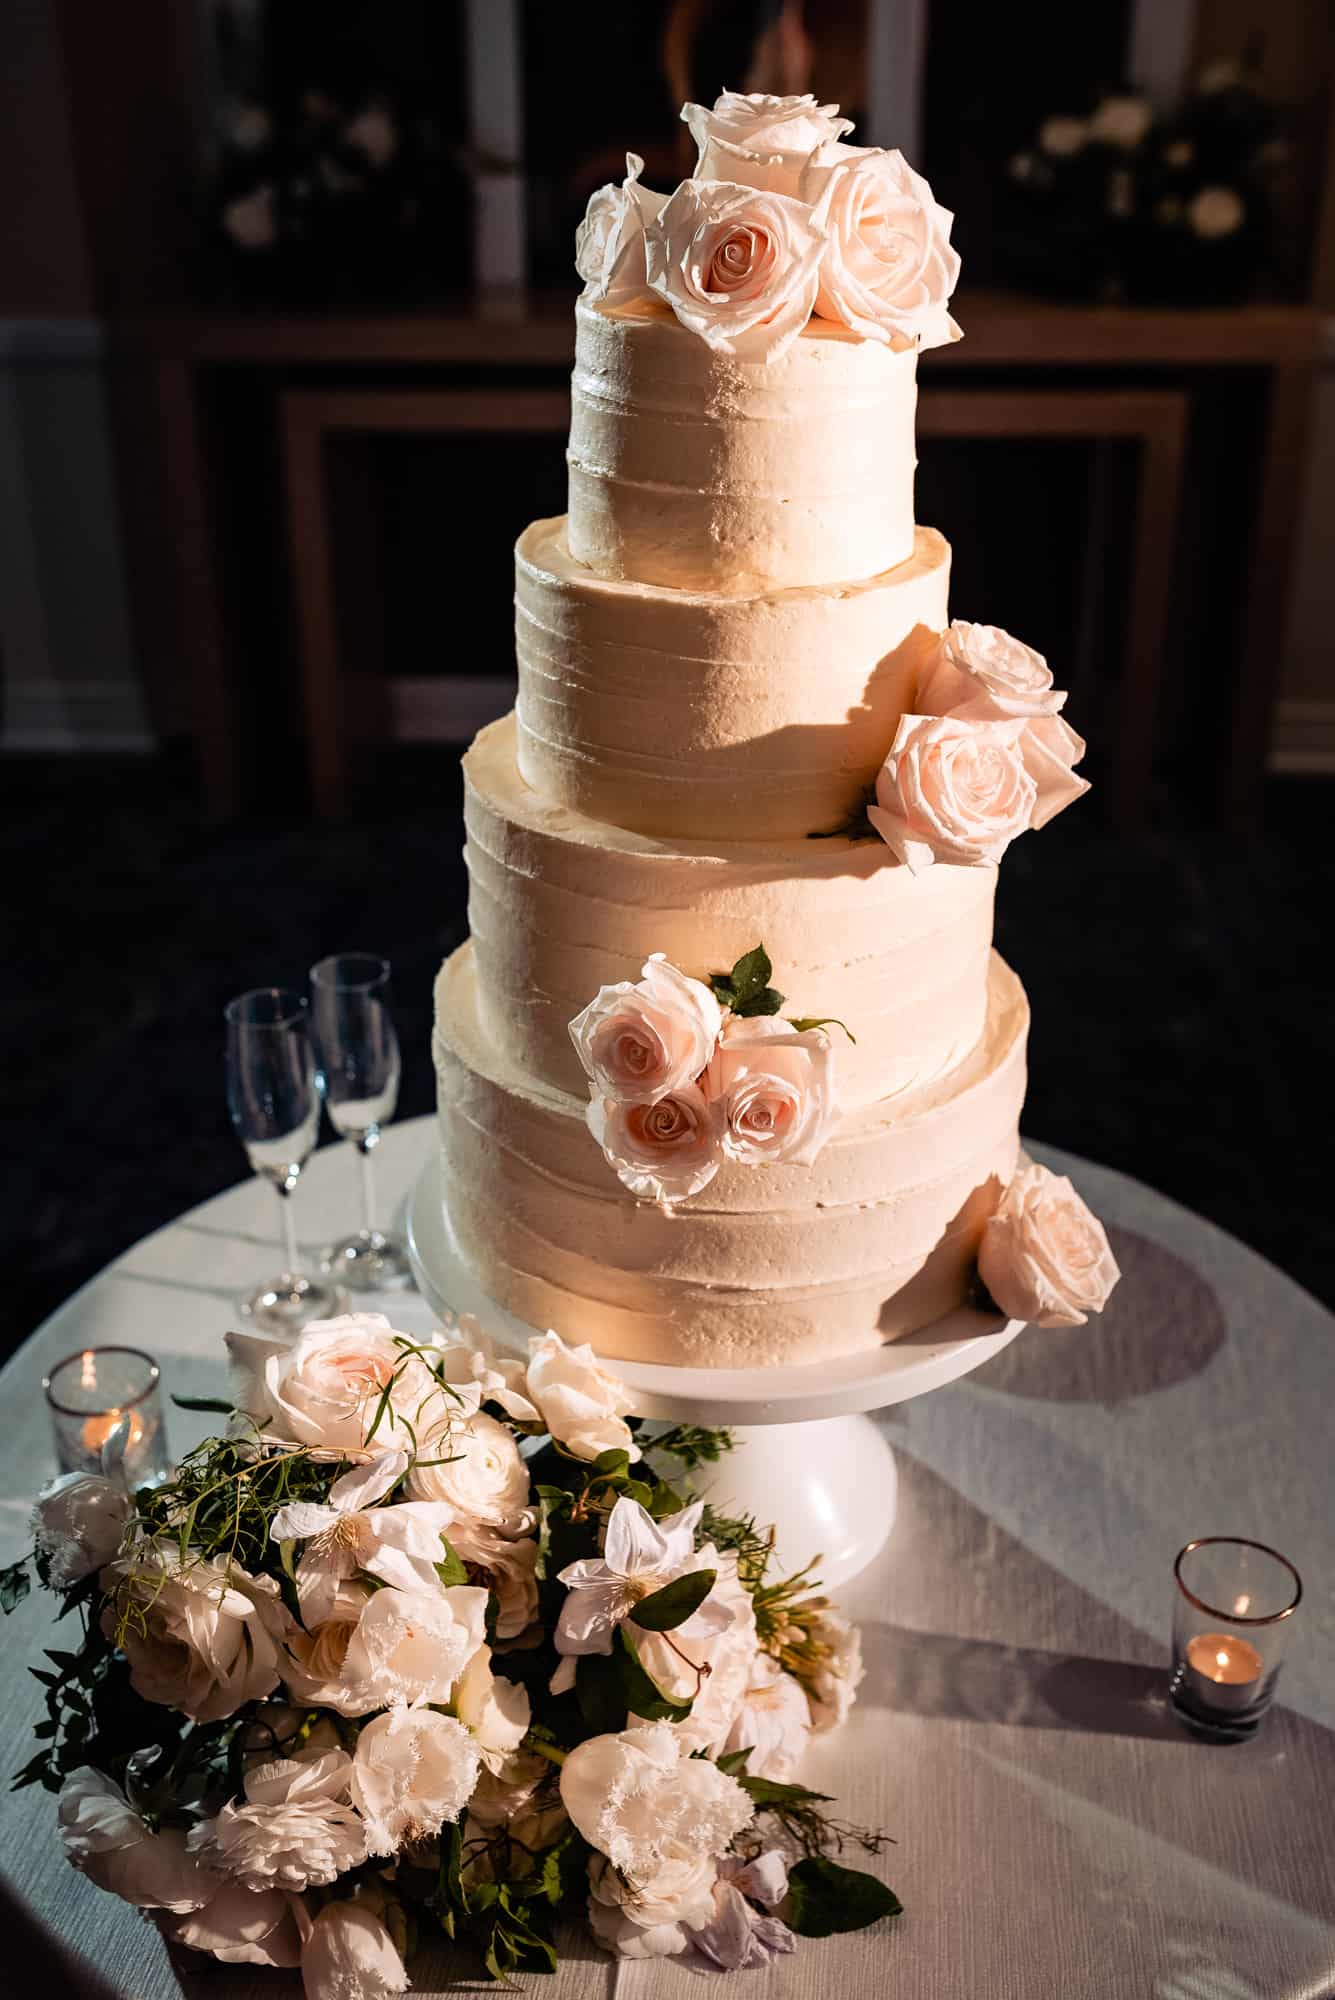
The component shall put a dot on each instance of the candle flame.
(88, 1371)
(1222, 1659)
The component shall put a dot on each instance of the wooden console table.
(1036, 359)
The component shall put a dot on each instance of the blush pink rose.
(639, 1042)
(665, 1151)
(760, 141)
(773, 1091)
(609, 243)
(738, 266)
(981, 674)
(953, 790)
(1044, 1257)
(888, 268)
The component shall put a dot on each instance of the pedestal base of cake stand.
(808, 1458)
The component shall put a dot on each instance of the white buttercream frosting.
(695, 469)
(689, 713)
(561, 905)
(773, 1264)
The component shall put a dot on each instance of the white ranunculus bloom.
(773, 1722)
(77, 1525)
(663, 1152)
(200, 1636)
(639, 1556)
(414, 1770)
(1061, 137)
(466, 1357)
(738, 266)
(504, 1566)
(579, 1401)
(953, 790)
(609, 243)
(350, 1955)
(640, 1798)
(410, 1646)
(106, 1840)
(1044, 1256)
(760, 141)
(295, 1829)
(325, 1388)
(639, 1041)
(774, 1091)
(495, 1711)
(477, 1471)
(398, 1544)
(888, 267)
(832, 1686)
(649, 1919)
(240, 1927)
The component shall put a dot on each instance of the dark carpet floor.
(1179, 983)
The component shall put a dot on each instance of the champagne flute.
(273, 1096)
(359, 1055)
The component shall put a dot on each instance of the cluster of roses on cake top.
(427, 1646)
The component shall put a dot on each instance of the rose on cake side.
(1045, 1257)
(980, 673)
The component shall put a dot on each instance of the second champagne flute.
(359, 1055)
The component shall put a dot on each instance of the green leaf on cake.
(675, 1602)
(767, 1001)
(824, 1898)
(804, 1021)
(746, 989)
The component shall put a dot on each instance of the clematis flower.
(399, 1544)
(737, 1936)
(639, 1556)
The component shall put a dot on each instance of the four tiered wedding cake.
(748, 748)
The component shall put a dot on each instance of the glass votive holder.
(106, 1411)
(1231, 1616)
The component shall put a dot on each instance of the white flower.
(506, 1568)
(1121, 121)
(295, 1829)
(477, 1471)
(834, 1682)
(760, 141)
(739, 1937)
(77, 1525)
(888, 267)
(662, 1152)
(738, 266)
(1062, 136)
(374, 133)
(496, 1711)
(1215, 212)
(649, 1919)
(410, 1646)
(641, 1799)
(773, 1722)
(1044, 1257)
(609, 243)
(773, 1091)
(466, 1357)
(252, 219)
(350, 1955)
(580, 1403)
(314, 1663)
(325, 1389)
(239, 1927)
(106, 1840)
(953, 790)
(639, 1041)
(639, 1556)
(399, 1544)
(200, 1636)
(414, 1770)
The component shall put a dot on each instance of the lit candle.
(98, 1429)
(1223, 1673)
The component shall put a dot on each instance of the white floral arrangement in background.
(779, 220)
(429, 1647)
(685, 1074)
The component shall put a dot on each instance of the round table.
(1057, 1834)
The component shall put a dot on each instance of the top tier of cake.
(700, 472)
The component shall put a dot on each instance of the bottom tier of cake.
(765, 1265)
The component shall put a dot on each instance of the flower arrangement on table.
(428, 1645)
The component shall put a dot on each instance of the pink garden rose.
(772, 1088)
(888, 268)
(639, 1042)
(953, 790)
(738, 266)
(759, 141)
(609, 243)
(663, 1151)
(1044, 1257)
(980, 673)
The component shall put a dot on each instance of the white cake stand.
(808, 1458)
